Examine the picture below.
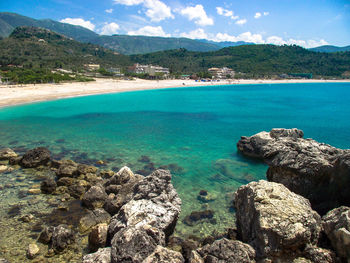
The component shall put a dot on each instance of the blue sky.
(307, 23)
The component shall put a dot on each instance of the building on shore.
(148, 69)
(92, 66)
(221, 73)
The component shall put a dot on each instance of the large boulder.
(314, 170)
(103, 255)
(7, 154)
(35, 157)
(274, 220)
(336, 224)
(224, 250)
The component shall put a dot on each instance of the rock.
(15, 160)
(67, 168)
(98, 237)
(78, 189)
(65, 181)
(107, 174)
(34, 191)
(195, 258)
(103, 255)
(27, 218)
(314, 170)
(225, 250)
(319, 255)
(3, 168)
(32, 251)
(275, 220)
(196, 216)
(85, 169)
(163, 255)
(206, 197)
(48, 186)
(336, 224)
(2, 260)
(93, 218)
(155, 202)
(62, 237)
(95, 197)
(35, 157)
(7, 154)
(187, 247)
(134, 245)
(122, 176)
(46, 235)
(144, 159)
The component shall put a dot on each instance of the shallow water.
(192, 130)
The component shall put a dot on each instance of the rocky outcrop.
(336, 224)
(103, 255)
(224, 250)
(148, 218)
(274, 220)
(314, 170)
(7, 154)
(35, 157)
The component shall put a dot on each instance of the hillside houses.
(221, 73)
(148, 69)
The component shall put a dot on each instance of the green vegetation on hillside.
(32, 53)
(253, 60)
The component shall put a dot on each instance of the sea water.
(193, 131)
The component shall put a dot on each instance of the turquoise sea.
(191, 131)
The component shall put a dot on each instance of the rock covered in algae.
(275, 220)
(35, 157)
(314, 170)
(336, 224)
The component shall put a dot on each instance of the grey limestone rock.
(274, 220)
(103, 255)
(224, 250)
(336, 224)
(35, 157)
(314, 170)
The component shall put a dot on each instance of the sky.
(308, 23)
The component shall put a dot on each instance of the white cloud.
(224, 12)
(198, 14)
(149, 31)
(307, 43)
(156, 9)
(78, 22)
(241, 22)
(266, 13)
(195, 34)
(275, 40)
(129, 2)
(257, 15)
(109, 11)
(110, 29)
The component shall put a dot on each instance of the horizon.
(276, 22)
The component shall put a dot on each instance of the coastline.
(12, 95)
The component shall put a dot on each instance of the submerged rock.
(336, 224)
(196, 216)
(103, 255)
(224, 250)
(314, 170)
(275, 220)
(35, 157)
(7, 154)
(48, 186)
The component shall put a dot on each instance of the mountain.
(30, 54)
(124, 44)
(253, 60)
(330, 49)
(223, 44)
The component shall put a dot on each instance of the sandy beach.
(22, 94)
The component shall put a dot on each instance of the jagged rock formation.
(336, 224)
(314, 170)
(274, 220)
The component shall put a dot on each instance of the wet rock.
(187, 247)
(32, 251)
(122, 176)
(46, 235)
(225, 250)
(162, 255)
(95, 197)
(48, 186)
(84, 169)
(35, 157)
(67, 168)
(275, 220)
(61, 238)
(3, 168)
(93, 218)
(336, 224)
(78, 188)
(7, 154)
(103, 255)
(98, 237)
(65, 181)
(196, 216)
(107, 174)
(314, 170)
(60, 190)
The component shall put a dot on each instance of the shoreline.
(32, 93)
